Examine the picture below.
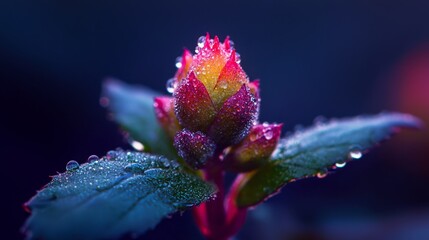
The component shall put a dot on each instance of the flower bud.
(194, 147)
(215, 97)
(255, 149)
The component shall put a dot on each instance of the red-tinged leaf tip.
(235, 118)
(194, 147)
(193, 105)
(255, 149)
(186, 62)
(164, 112)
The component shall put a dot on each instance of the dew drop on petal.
(179, 62)
(223, 84)
(321, 174)
(268, 134)
(93, 158)
(340, 164)
(171, 85)
(355, 154)
(237, 58)
(201, 41)
(231, 44)
(72, 165)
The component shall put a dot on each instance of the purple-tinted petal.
(193, 105)
(194, 147)
(235, 118)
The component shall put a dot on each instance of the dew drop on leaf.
(93, 158)
(111, 155)
(355, 154)
(72, 165)
(321, 174)
(340, 164)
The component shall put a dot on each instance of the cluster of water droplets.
(266, 133)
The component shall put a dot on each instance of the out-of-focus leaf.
(122, 193)
(132, 108)
(313, 151)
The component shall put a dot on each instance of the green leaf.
(313, 151)
(132, 108)
(122, 193)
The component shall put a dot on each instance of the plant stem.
(219, 219)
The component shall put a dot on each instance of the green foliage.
(313, 151)
(132, 108)
(124, 192)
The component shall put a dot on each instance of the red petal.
(164, 111)
(182, 72)
(229, 81)
(255, 149)
(226, 43)
(193, 105)
(235, 118)
(208, 63)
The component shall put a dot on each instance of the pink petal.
(235, 118)
(193, 105)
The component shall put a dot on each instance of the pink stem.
(219, 219)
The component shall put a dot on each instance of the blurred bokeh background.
(330, 58)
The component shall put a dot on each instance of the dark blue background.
(331, 58)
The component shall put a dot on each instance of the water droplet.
(223, 84)
(171, 85)
(111, 155)
(340, 165)
(137, 145)
(355, 154)
(179, 62)
(268, 134)
(321, 174)
(237, 58)
(231, 44)
(93, 158)
(72, 165)
(201, 41)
